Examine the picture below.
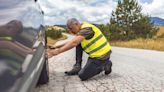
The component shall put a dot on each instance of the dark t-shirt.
(88, 33)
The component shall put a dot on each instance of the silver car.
(23, 60)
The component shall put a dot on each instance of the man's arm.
(69, 45)
(56, 46)
(73, 43)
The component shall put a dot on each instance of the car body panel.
(22, 53)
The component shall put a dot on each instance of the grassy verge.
(151, 44)
(161, 31)
(51, 41)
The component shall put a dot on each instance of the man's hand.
(56, 46)
(53, 52)
(51, 47)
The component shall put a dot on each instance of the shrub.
(54, 34)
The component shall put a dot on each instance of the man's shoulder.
(88, 29)
(86, 32)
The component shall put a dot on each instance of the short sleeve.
(88, 33)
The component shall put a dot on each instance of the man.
(90, 39)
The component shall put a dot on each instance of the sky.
(93, 11)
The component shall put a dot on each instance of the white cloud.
(58, 11)
(155, 8)
(95, 11)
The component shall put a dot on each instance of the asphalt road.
(134, 70)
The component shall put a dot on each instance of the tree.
(127, 22)
(105, 30)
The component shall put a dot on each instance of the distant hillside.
(157, 21)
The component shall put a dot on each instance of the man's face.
(73, 28)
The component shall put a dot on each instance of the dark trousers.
(93, 66)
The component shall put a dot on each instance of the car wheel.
(44, 76)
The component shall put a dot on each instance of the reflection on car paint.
(20, 23)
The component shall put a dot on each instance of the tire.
(44, 76)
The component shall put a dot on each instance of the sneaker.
(74, 71)
(108, 68)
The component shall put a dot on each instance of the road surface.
(134, 70)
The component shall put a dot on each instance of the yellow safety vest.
(97, 45)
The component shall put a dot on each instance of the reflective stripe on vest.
(92, 42)
(97, 45)
(6, 38)
(98, 48)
